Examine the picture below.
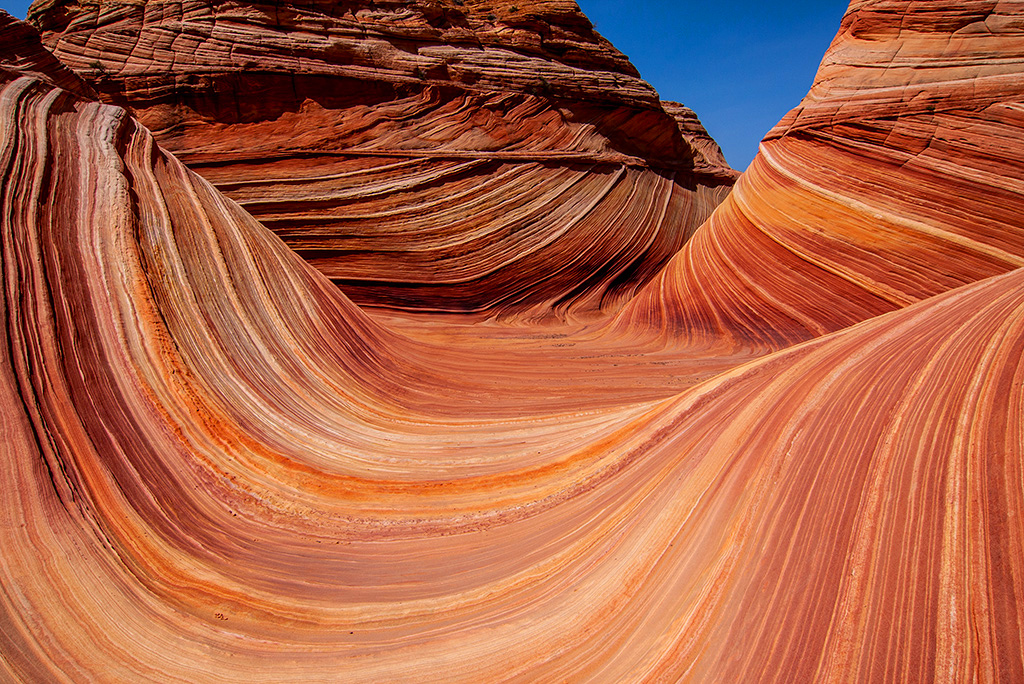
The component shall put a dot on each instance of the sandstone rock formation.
(214, 466)
(25, 55)
(897, 178)
(430, 155)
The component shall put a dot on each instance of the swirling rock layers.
(215, 467)
(204, 480)
(896, 179)
(436, 107)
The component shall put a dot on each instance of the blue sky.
(740, 64)
(18, 9)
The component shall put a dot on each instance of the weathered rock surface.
(707, 154)
(897, 178)
(25, 55)
(426, 155)
(215, 467)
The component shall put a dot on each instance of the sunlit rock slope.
(215, 467)
(429, 155)
(898, 177)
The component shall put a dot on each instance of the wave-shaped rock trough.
(214, 466)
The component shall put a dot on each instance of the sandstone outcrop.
(214, 466)
(707, 154)
(25, 55)
(897, 178)
(429, 155)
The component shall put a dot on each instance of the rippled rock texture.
(214, 466)
(897, 178)
(429, 155)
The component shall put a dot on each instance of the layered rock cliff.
(427, 155)
(897, 178)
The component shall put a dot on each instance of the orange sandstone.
(495, 158)
(214, 466)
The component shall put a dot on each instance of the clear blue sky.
(18, 9)
(740, 64)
